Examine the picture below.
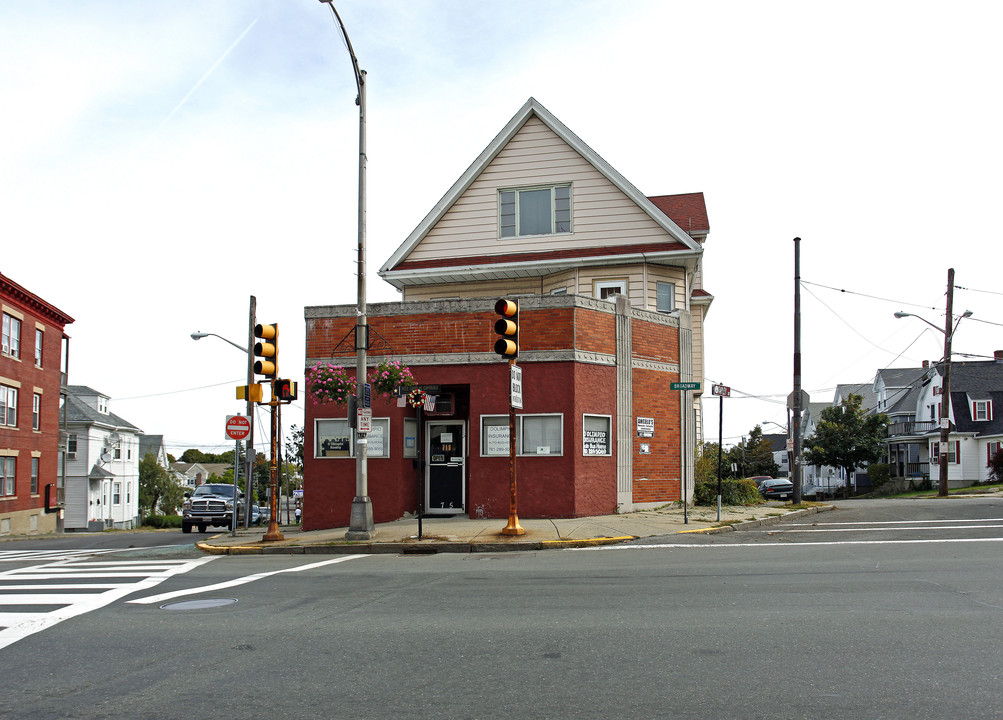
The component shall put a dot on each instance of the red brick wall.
(24, 439)
(653, 341)
(656, 476)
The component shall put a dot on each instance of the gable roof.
(681, 244)
(80, 413)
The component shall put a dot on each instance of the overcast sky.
(161, 162)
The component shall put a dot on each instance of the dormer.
(981, 406)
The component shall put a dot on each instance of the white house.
(101, 464)
(976, 418)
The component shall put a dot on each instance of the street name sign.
(238, 427)
(684, 386)
(722, 390)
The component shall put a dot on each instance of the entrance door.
(445, 489)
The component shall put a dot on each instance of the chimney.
(998, 356)
(926, 364)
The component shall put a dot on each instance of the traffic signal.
(267, 350)
(285, 390)
(507, 326)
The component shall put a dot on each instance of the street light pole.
(360, 525)
(950, 326)
(249, 447)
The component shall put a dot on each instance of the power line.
(872, 297)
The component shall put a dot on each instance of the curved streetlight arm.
(200, 335)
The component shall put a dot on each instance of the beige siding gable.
(602, 215)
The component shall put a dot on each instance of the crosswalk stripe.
(15, 626)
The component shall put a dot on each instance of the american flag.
(429, 403)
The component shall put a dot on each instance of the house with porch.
(976, 419)
(611, 313)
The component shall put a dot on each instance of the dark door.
(445, 489)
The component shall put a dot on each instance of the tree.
(706, 461)
(157, 488)
(847, 437)
(294, 447)
(996, 466)
(754, 456)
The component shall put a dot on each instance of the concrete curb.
(469, 546)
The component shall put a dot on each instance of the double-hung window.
(8, 466)
(534, 211)
(39, 338)
(36, 412)
(982, 410)
(8, 406)
(11, 336)
(665, 297)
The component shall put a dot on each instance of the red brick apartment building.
(31, 375)
(611, 313)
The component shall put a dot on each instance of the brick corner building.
(611, 313)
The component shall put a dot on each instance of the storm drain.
(198, 604)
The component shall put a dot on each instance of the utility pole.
(945, 392)
(796, 408)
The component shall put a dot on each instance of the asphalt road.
(875, 610)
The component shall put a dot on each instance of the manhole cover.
(198, 604)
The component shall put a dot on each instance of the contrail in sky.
(205, 76)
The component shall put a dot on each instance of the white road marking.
(15, 626)
(939, 541)
(151, 599)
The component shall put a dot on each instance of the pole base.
(360, 524)
(513, 527)
(273, 534)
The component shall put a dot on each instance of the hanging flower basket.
(327, 383)
(392, 378)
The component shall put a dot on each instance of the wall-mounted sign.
(645, 427)
(595, 442)
(645, 449)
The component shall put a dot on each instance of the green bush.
(879, 474)
(162, 521)
(733, 492)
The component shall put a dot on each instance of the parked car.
(256, 515)
(211, 504)
(758, 479)
(776, 489)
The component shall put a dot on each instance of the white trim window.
(36, 412)
(10, 336)
(542, 210)
(982, 410)
(34, 475)
(539, 435)
(39, 341)
(410, 437)
(665, 297)
(597, 435)
(8, 406)
(953, 452)
(609, 289)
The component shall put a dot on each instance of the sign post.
(683, 413)
(722, 391)
(238, 427)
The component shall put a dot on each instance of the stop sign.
(238, 427)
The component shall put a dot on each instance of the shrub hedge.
(733, 492)
(162, 521)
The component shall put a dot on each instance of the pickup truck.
(211, 504)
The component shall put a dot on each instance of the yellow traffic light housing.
(267, 350)
(507, 327)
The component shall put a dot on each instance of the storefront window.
(535, 435)
(335, 439)
(597, 437)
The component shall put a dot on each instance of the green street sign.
(685, 386)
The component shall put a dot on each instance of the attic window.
(982, 410)
(535, 211)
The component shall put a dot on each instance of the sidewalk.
(465, 535)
